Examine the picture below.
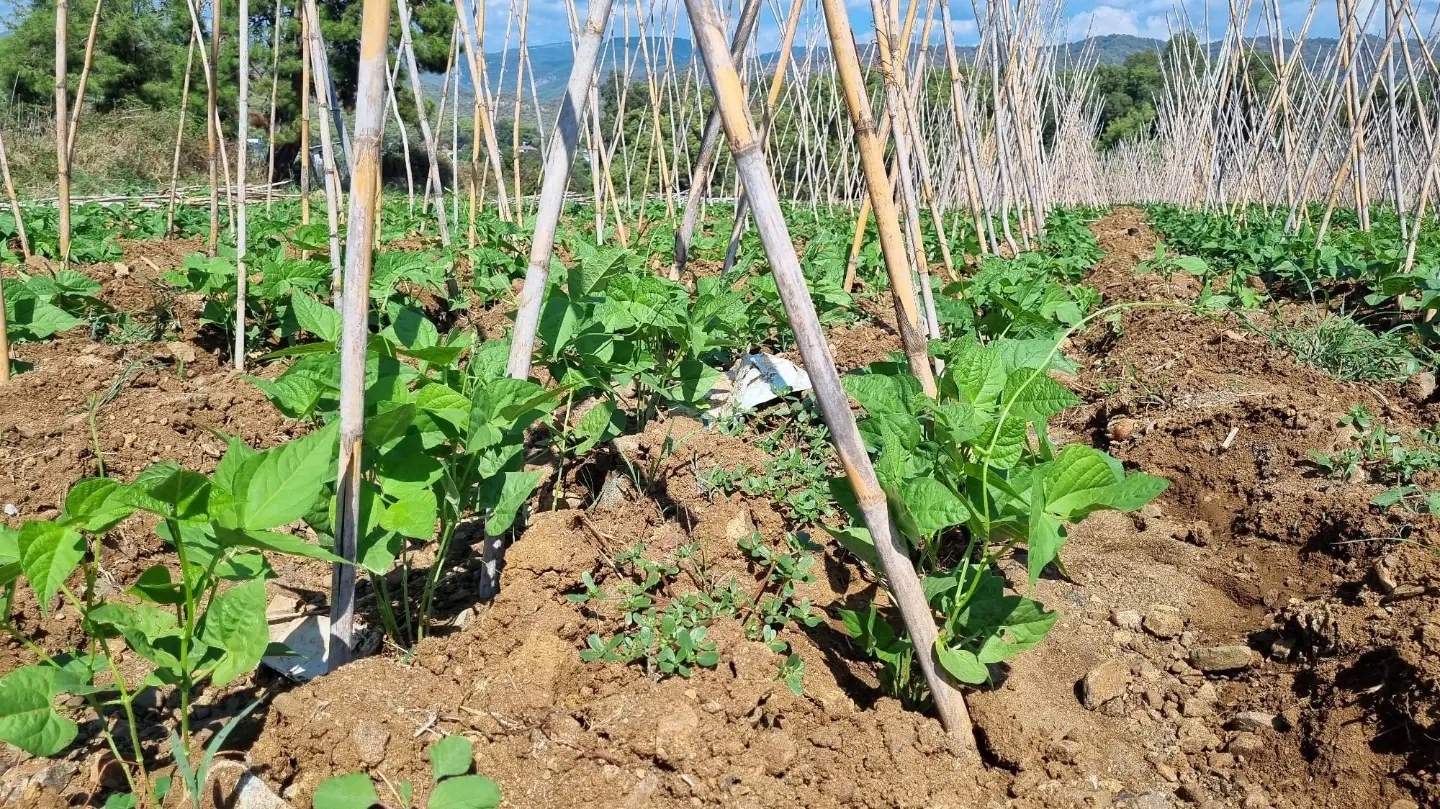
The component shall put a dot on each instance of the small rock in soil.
(1164, 621)
(1126, 619)
(370, 739)
(1104, 683)
(1211, 659)
(1420, 387)
(1251, 722)
(1404, 803)
(1245, 744)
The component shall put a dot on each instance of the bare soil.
(1337, 707)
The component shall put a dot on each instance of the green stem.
(188, 628)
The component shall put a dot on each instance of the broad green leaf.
(154, 585)
(1046, 538)
(600, 423)
(877, 393)
(515, 488)
(933, 504)
(962, 665)
(386, 428)
(693, 382)
(979, 374)
(28, 718)
(1077, 479)
(464, 792)
(235, 622)
(283, 483)
(96, 505)
(1134, 491)
(1042, 398)
(295, 395)
(352, 791)
(273, 541)
(451, 756)
(1023, 627)
(414, 515)
(315, 317)
(170, 491)
(49, 553)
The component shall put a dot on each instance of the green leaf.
(414, 515)
(295, 395)
(315, 317)
(352, 791)
(515, 489)
(386, 428)
(1024, 625)
(49, 553)
(933, 505)
(96, 505)
(28, 718)
(272, 541)
(1045, 540)
(693, 382)
(962, 665)
(1038, 400)
(1077, 479)
(877, 393)
(170, 491)
(451, 756)
(282, 484)
(464, 792)
(235, 622)
(155, 586)
(600, 423)
(979, 374)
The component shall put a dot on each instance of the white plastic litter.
(759, 379)
(11, 510)
(308, 636)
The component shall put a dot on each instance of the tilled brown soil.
(1333, 705)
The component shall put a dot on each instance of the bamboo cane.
(242, 179)
(212, 124)
(359, 256)
(84, 78)
(62, 141)
(274, 97)
(750, 160)
(14, 208)
(892, 243)
(305, 80)
(324, 97)
(558, 163)
(393, 105)
(704, 164)
(432, 153)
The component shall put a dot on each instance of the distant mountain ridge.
(552, 63)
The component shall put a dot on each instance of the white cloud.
(1105, 19)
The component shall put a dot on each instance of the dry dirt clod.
(1251, 722)
(1420, 387)
(1126, 619)
(1164, 621)
(1245, 744)
(1215, 659)
(1105, 682)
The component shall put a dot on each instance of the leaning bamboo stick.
(326, 100)
(552, 195)
(900, 577)
(84, 78)
(212, 123)
(359, 257)
(432, 153)
(242, 162)
(14, 207)
(274, 96)
(62, 142)
(892, 241)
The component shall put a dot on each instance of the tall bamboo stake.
(304, 118)
(62, 142)
(242, 162)
(892, 240)
(558, 163)
(274, 96)
(14, 210)
(704, 164)
(84, 78)
(903, 583)
(324, 96)
(432, 154)
(360, 235)
(212, 123)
